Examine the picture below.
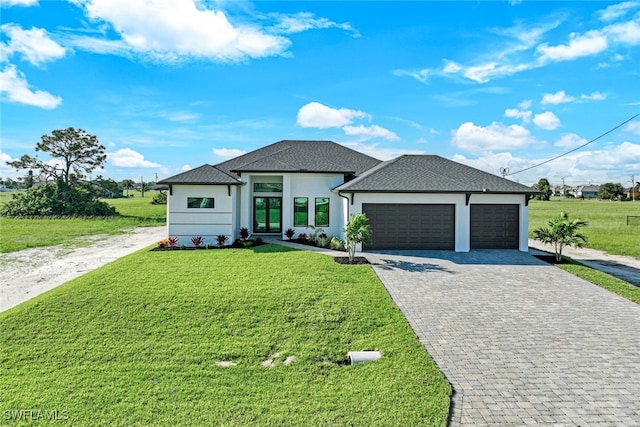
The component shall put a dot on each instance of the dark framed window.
(322, 212)
(267, 187)
(300, 211)
(200, 202)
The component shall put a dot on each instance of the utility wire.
(577, 148)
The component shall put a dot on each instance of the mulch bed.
(235, 245)
(551, 259)
(356, 260)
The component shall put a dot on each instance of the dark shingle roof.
(300, 156)
(430, 174)
(205, 174)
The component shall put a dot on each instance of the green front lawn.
(607, 230)
(138, 342)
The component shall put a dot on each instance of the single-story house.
(587, 191)
(412, 202)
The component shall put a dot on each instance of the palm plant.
(357, 231)
(562, 232)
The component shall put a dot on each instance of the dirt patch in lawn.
(28, 273)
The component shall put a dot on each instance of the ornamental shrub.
(56, 199)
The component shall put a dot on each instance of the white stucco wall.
(462, 210)
(310, 185)
(209, 223)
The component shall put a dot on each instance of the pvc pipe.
(363, 356)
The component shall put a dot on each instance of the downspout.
(348, 202)
(347, 199)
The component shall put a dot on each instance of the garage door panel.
(411, 226)
(495, 226)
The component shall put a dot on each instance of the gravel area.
(31, 272)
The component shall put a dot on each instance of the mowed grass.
(137, 342)
(22, 233)
(607, 229)
(604, 280)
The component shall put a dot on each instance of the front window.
(322, 212)
(300, 211)
(267, 187)
(200, 202)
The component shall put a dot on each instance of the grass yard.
(137, 342)
(18, 233)
(607, 229)
(604, 280)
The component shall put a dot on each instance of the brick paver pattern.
(522, 342)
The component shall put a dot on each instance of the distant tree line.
(607, 191)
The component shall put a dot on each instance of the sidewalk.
(623, 267)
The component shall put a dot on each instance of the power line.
(577, 148)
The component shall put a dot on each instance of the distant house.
(413, 201)
(587, 191)
(563, 190)
(633, 193)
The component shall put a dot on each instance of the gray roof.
(430, 174)
(205, 174)
(301, 156)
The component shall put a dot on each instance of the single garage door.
(495, 226)
(411, 226)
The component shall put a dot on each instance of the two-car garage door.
(432, 226)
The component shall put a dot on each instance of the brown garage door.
(411, 226)
(495, 226)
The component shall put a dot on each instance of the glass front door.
(267, 214)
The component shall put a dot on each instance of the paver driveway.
(522, 342)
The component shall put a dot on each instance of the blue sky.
(168, 85)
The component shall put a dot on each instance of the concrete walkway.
(623, 267)
(522, 342)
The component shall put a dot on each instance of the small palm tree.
(357, 231)
(562, 232)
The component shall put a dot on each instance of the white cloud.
(382, 153)
(179, 116)
(559, 97)
(617, 10)
(451, 67)
(546, 120)
(171, 30)
(128, 158)
(34, 45)
(594, 96)
(633, 127)
(185, 168)
(590, 43)
(228, 153)
(14, 88)
(514, 113)
(10, 3)
(316, 115)
(570, 140)
(373, 131)
(485, 72)
(525, 105)
(625, 33)
(421, 75)
(304, 21)
(496, 136)
(7, 171)
(494, 162)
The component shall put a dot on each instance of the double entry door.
(267, 214)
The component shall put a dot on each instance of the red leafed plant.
(171, 241)
(197, 241)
